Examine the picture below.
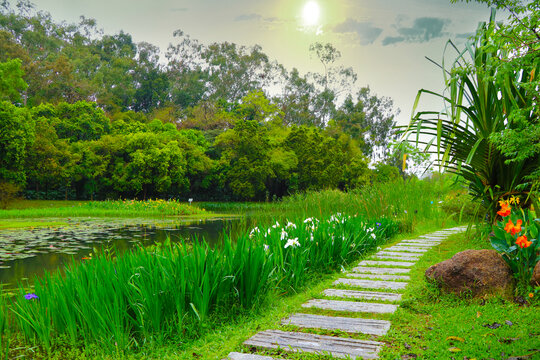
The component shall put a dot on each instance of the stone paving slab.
(419, 243)
(351, 306)
(379, 276)
(367, 295)
(395, 257)
(241, 356)
(394, 253)
(424, 240)
(372, 284)
(405, 248)
(302, 342)
(349, 325)
(380, 270)
(386, 263)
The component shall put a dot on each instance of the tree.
(519, 41)
(152, 84)
(407, 158)
(370, 120)
(245, 159)
(296, 100)
(333, 81)
(234, 71)
(79, 121)
(480, 105)
(16, 136)
(11, 81)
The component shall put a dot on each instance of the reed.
(150, 295)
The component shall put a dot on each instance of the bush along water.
(114, 208)
(155, 294)
(517, 238)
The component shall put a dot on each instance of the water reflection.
(29, 252)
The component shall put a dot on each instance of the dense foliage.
(491, 111)
(89, 115)
(151, 296)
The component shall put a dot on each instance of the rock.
(535, 280)
(478, 272)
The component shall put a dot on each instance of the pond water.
(28, 252)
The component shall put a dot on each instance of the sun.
(311, 13)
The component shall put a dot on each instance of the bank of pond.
(170, 290)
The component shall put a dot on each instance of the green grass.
(114, 208)
(171, 293)
(10, 224)
(173, 302)
(432, 325)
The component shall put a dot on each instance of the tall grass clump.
(108, 208)
(4, 327)
(171, 292)
(406, 201)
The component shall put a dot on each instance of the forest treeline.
(85, 114)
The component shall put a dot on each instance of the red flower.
(522, 242)
(505, 210)
(513, 229)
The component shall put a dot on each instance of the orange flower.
(531, 295)
(522, 242)
(513, 229)
(505, 210)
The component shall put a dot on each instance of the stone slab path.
(395, 257)
(372, 284)
(386, 263)
(388, 276)
(351, 306)
(350, 325)
(407, 249)
(364, 295)
(378, 276)
(321, 344)
(379, 270)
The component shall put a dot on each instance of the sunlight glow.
(311, 13)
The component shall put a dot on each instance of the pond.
(28, 252)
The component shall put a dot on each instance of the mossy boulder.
(474, 272)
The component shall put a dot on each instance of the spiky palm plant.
(478, 99)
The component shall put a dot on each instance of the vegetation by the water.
(169, 292)
(115, 208)
(85, 115)
(118, 123)
(10, 224)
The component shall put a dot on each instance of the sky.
(384, 41)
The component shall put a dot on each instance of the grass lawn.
(431, 325)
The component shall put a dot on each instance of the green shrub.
(8, 193)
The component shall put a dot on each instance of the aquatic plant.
(150, 295)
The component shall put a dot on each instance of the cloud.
(422, 30)
(366, 32)
(182, 9)
(248, 17)
(389, 40)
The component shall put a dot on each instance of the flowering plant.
(516, 237)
